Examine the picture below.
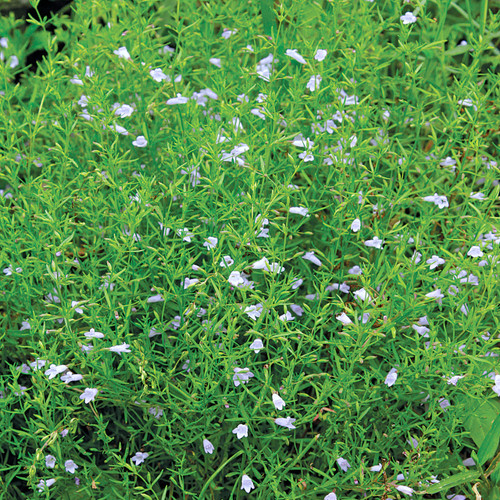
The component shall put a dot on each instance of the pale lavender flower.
(312, 258)
(299, 211)
(247, 483)
(257, 345)
(140, 142)
(44, 484)
(139, 457)
(124, 111)
(375, 242)
(314, 82)
(89, 395)
(285, 422)
(343, 464)
(208, 446)
(320, 54)
(405, 489)
(50, 461)
(122, 52)
(235, 278)
(475, 251)
(157, 75)
(278, 402)
(391, 378)
(70, 466)
(120, 348)
(241, 376)
(408, 18)
(93, 334)
(241, 431)
(71, 377)
(294, 54)
(254, 311)
(226, 261)
(54, 370)
(356, 225)
(435, 261)
(211, 242)
(216, 61)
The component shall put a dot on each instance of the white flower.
(314, 82)
(436, 294)
(208, 446)
(140, 142)
(189, 282)
(254, 311)
(435, 261)
(227, 33)
(71, 377)
(241, 376)
(343, 464)
(139, 457)
(312, 258)
(474, 252)
(331, 496)
(408, 18)
(50, 461)
(157, 75)
(477, 196)
(296, 283)
(278, 402)
(54, 370)
(124, 111)
(285, 422)
(355, 270)
(287, 316)
(215, 61)
(89, 395)
(226, 261)
(180, 99)
(496, 387)
(93, 334)
(293, 53)
(356, 225)
(241, 431)
(362, 295)
(120, 348)
(306, 156)
(235, 278)
(155, 298)
(320, 54)
(299, 211)
(376, 468)
(405, 489)
(375, 243)
(454, 380)
(211, 242)
(257, 346)
(448, 162)
(247, 483)
(122, 52)
(43, 484)
(439, 201)
(343, 318)
(70, 466)
(391, 378)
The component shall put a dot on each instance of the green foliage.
(110, 194)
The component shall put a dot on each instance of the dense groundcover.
(250, 249)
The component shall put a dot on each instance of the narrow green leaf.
(268, 17)
(452, 481)
(490, 443)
